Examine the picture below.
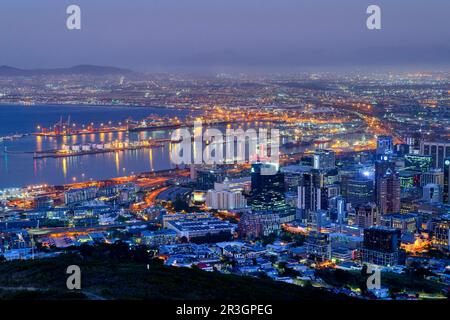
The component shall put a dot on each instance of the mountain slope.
(105, 278)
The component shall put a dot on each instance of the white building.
(225, 200)
(227, 195)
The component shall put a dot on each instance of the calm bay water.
(17, 170)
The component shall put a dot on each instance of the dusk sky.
(162, 35)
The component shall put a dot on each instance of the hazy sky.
(206, 34)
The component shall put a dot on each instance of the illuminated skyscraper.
(388, 193)
(267, 189)
(368, 216)
(446, 191)
(360, 191)
(417, 162)
(385, 145)
(382, 167)
(324, 159)
(381, 246)
(315, 189)
(437, 150)
(435, 176)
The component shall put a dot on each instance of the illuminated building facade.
(318, 246)
(446, 189)
(253, 225)
(388, 193)
(404, 222)
(441, 233)
(385, 145)
(417, 162)
(359, 191)
(368, 216)
(381, 246)
(75, 196)
(225, 200)
(437, 150)
(383, 167)
(267, 191)
(324, 159)
(434, 176)
(206, 177)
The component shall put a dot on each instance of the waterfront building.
(75, 196)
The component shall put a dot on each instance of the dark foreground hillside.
(112, 277)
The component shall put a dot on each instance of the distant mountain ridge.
(7, 71)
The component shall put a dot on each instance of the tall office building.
(315, 189)
(385, 145)
(381, 246)
(432, 193)
(383, 167)
(359, 191)
(368, 216)
(267, 191)
(293, 176)
(388, 193)
(446, 191)
(337, 209)
(437, 150)
(435, 176)
(310, 196)
(206, 177)
(324, 159)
